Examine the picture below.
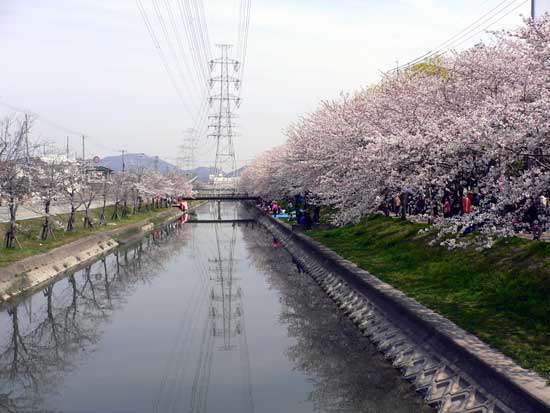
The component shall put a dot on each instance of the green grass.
(500, 294)
(29, 231)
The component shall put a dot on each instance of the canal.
(197, 317)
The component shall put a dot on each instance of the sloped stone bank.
(451, 368)
(33, 273)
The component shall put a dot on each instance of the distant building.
(220, 181)
(97, 173)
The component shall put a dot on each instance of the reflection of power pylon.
(225, 297)
(225, 323)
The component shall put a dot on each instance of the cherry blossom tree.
(475, 122)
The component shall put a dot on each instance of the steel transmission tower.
(187, 150)
(224, 102)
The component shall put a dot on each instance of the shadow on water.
(347, 372)
(49, 334)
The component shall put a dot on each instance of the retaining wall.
(451, 368)
(32, 273)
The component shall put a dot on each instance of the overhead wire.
(457, 38)
(162, 56)
(170, 44)
(492, 23)
(57, 125)
(185, 20)
(194, 86)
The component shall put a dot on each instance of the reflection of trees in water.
(347, 372)
(42, 345)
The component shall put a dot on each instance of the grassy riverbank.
(29, 232)
(501, 294)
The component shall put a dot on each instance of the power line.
(492, 23)
(187, 22)
(181, 48)
(56, 125)
(458, 38)
(243, 30)
(162, 56)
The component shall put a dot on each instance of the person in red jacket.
(447, 208)
(467, 204)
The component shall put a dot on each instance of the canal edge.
(452, 369)
(34, 273)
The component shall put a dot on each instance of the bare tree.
(72, 184)
(88, 192)
(120, 191)
(47, 182)
(105, 185)
(14, 169)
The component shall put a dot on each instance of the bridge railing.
(221, 195)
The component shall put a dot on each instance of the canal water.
(198, 317)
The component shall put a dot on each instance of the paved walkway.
(29, 212)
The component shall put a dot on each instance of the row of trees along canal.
(39, 181)
(475, 122)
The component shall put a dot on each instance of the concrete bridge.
(220, 195)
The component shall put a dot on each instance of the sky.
(90, 67)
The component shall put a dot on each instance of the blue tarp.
(281, 216)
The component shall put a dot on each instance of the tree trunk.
(87, 220)
(46, 230)
(124, 209)
(10, 238)
(115, 212)
(70, 222)
(103, 219)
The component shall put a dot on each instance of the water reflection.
(347, 372)
(50, 334)
(214, 323)
(195, 318)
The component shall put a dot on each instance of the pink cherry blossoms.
(472, 124)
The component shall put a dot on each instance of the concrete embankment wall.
(451, 368)
(35, 272)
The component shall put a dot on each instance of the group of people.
(530, 214)
(299, 215)
(534, 214)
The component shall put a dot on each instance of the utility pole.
(226, 103)
(123, 163)
(27, 137)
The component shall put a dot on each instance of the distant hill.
(136, 160)
(202, 173)
(236, 172)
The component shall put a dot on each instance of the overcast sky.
(91, 66)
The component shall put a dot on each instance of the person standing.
(447, 208)
(397, 205)
(274, 209)
(467, 204)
